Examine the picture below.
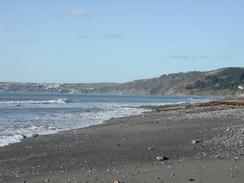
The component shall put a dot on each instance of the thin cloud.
(203, 57)
(58, 37)
(186, 57)
(60, 52)
(77, 12)
(175, 43)
(120, 60)
(6, 28)
(27, 40)
(112, 36)
(51, 13)
(180, 57)
(225, 56)
(82, 36)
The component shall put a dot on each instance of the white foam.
(6, 140)
(57, 101)
(47, 123)
(67, 121)
(13, 136)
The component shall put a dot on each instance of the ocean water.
(25, 114)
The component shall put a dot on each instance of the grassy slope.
(218, 82)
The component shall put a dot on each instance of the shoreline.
(147, 108)
(136, 148)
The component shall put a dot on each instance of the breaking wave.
(29, 113)
(57, 101)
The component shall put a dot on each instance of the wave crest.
(55, 101)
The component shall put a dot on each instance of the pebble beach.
(190, 144)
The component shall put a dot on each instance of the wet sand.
(185, 144)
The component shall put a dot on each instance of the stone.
(195, 141)
(228, 129)
(161, 158)
(24, 136)
(35, 135)
(217, 156)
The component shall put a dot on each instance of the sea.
(27, 114)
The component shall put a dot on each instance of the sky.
(117, 40)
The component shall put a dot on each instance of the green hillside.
(225, 81)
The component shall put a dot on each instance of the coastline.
(125, 149)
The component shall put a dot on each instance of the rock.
(161, 158)
(217, 156)
(228, 129)
(191, 179)
(25, 181)
(118, 145)
(150, 148)
(204, 154)
(236, 158)
(23, 136)
(195, 141)
(35, 135)
(52, 128)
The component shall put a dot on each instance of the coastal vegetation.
(224, 81)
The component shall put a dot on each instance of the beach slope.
(186, 144)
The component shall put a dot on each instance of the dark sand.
(202, 144)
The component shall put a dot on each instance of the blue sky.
(117, 40)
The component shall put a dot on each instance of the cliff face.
(225, 81)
